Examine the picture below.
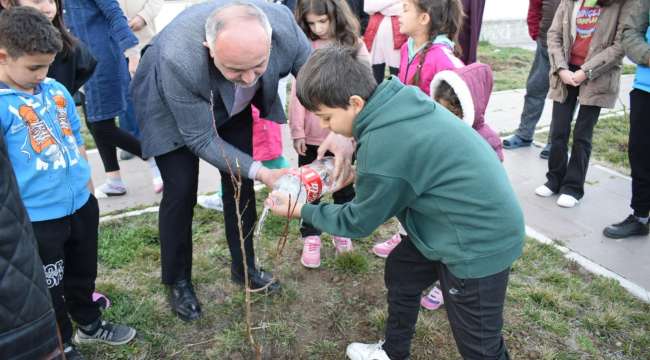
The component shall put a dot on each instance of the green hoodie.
(417, 161)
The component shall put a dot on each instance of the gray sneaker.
(107, 333)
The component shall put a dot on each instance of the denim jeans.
(536, 90)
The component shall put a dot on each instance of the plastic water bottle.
(309, 182)
(306, 184)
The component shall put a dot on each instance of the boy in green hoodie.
(417, 161)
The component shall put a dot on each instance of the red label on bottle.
(311, 181)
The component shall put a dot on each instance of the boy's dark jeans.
(638, 151)
(567, 175)
(70, 243)
(474, 306)
(342, 196)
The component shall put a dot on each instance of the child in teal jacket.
(464, 224)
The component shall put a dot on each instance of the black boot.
(257, 279)
(183, 300)
(626, 228)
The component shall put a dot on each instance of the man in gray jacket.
(192, 94)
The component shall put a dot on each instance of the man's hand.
(300, 146)
(567, 77)
(579, 77)
(270, 176)
(281, 205)
(137, 23)
(343, 149)
(134, 60)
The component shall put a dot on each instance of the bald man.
(192, 94)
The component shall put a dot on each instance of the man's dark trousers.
(180, 171)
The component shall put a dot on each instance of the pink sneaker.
(433, 300)
(342, 244)
(383, 249)
(311, 252)
(102, 300)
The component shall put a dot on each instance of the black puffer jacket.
(27, 320)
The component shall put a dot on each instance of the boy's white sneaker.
(544, 191)
(567, 201)
(359, 351)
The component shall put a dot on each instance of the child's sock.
(642, 220)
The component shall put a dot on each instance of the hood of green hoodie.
(388, 96)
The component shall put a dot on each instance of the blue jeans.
(127, 118)
(536, 90)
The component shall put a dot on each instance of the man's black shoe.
(628, 227)
(257, 279)
(183, 300)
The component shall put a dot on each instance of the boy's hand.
(300, 146)
(343, 149)
(281, 205)
(567, 77)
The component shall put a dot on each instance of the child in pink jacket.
(325, 22)
(428, 49)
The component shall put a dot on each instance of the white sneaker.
(213, 201)
(108, 189)
(544, 191)
(359, 351)
(567, 201)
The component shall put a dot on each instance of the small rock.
(619, 344)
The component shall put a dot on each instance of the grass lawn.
(610, 142)
(510, 65)
(555, 310)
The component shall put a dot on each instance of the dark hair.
(69, 41)
(344, 24)
(331, 76)
(444, 91)
(445, 17)
(24, 30)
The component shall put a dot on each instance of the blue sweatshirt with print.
(42, 135)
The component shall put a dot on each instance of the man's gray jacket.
(177, 81)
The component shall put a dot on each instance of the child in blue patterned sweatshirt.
(39, 122)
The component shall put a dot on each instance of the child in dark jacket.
(457, 232)
(636, 42)
(40, 124)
